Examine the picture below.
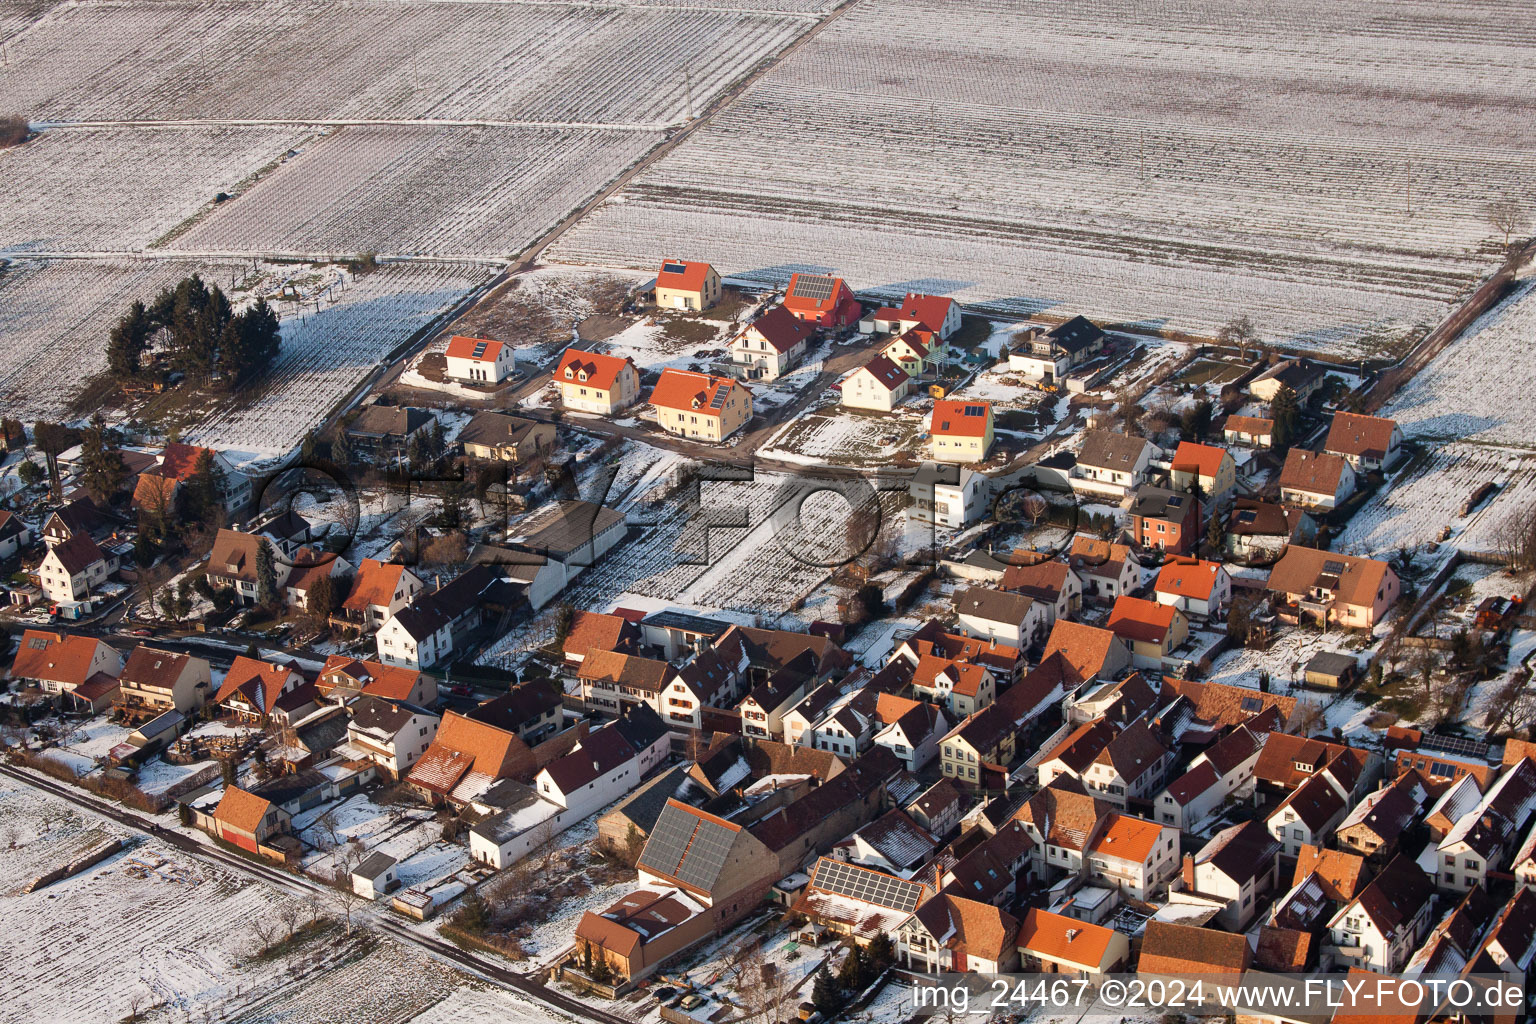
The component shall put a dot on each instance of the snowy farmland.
(1169, 166)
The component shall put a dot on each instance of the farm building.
(592, 382)
(479, 360)
(682, 284)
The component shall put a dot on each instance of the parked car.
(462, 690)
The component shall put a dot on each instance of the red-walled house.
(821, 300)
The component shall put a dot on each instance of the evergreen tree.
(1285, 412)
(341, 449)
(825, 995)
(266, 574)
(882, 952)
(438, 441)
(102, 470)
(851, 973)
(31, 473)
(322, 598)
(128, 341)
(452, 513)
(307, 448)
(1216, 533)
(203, 486)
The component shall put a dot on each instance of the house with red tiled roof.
(1062, 819)
(1250, 431)
(479, 360)
(83, 669)
(1134, 855)
(1055, 944)
(960, 687)
(1367, 443)
(1092, 652)
(597, 631)
(1194, 586)
(770, 346)
(1332, 588)
(344, 678)
(915, 351)
(951, 933)
(1054, 585)
(937, 313)
(879, 385)
(1185, 949)
(961, 431)
(247, 820)
(593, 382)
(1151, 630)
(495, 740)
(687, 284)
(1208, 466)
(699, 406)
(252, 687)
(822, 300)
(158, 486)
(1107, 569)
(1315, 479)
(379, 590)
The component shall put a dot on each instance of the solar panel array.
(718, 401)
(1454, 745)
(834, 876)
(975, 410)
(688, 848)
(479, 349)
(814, 288)
(674, 268)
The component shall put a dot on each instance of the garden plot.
(1481, 386)
(1171, 167)
(325, 354)
(125, 187)
(291, 60)
(1414, 507)
(445, 191)
(835, 435)
(55, 316)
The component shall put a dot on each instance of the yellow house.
(684, 285)
(700, 406)
(1212, 466)
(914, 351)
(961, 431)
(590, 382)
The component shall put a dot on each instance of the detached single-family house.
(502, 438)
(158, 485)
(1259, 531)
(1302, 376)
(937, 313)
(1056, 944)
(1107, 569)
(878, 385)
(947, 495)
(379, 590)
(1207, 466)
(1367, 443)
(344, 678)
(1134, 855)
(232, 564)
(1249, 431)
(771, 346)
(422, 634)
(78, 516)
(251, 687)
(14, 534)
(1050, 355)
(1012, 618)
(604, 766)
(1092, 652)
(164, 681)
(1165, 520)
(383, 433)
(1053, 585)
(1111, 464)
(1315, 479)
(1196, 587)
(961, 431)
(84, 670)
(247, 820)
(393, 734)
(75, 569)
(950, 933)
(699, 406)
(479, 360)
(821, 300)
(685, 284)
(1330, 587)
(592, 382)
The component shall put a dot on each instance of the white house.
(14, 534)
(479, 360)
(1197, 588)
(1381, 927)
(1315, 479)
(1010, 618)
(1217, 775)
(392, 734)
(949, 496)
(771, 346)
(1111, 465)
(1134, 855)
(914, 735)
(878, 385)
(422, 633)
(1050, 355)
(1308, 814)
(75, 569)
(378, 875)
(936, 313)
(1239, 865)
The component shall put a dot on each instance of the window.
(1470, 864)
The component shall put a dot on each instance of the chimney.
(1189, 871)
(938, 878)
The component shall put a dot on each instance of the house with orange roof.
(699, 406)
(951, 933)
(1133, 855)
(879, 385)
(685, 284)
(509, 737)
(961, 431)
(1194, 586)
(344, 678)
(251, 687)
(597, 631)
(1210, 467)
(937, 313)
(1315, 479)
(822, 300)
(1055, 944)
(960, 687)
(82, 669)
(1333, 588)
(379, 590)
(594, 382)
(1092, 652)
(247, 820)
(1249, 431)
(1367, 443)
(770, 346)
(1053, 585)
(479, 360)
(158, 486)
(1151, 630)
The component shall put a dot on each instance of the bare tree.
(289, 914)
(1241, 333)
(1508, 216)
(1034, 508)
(343, 897)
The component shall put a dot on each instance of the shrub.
(13, 130)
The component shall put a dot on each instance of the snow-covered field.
(1168, 165)
(1481, 387)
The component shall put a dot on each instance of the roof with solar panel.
(478, 349)
(689, 846)
(815, 292)
(683, 275)
(695, 392)
(961, 419)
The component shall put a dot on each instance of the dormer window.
(582, 375)
(570, 374)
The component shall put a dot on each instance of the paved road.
(372, 914)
